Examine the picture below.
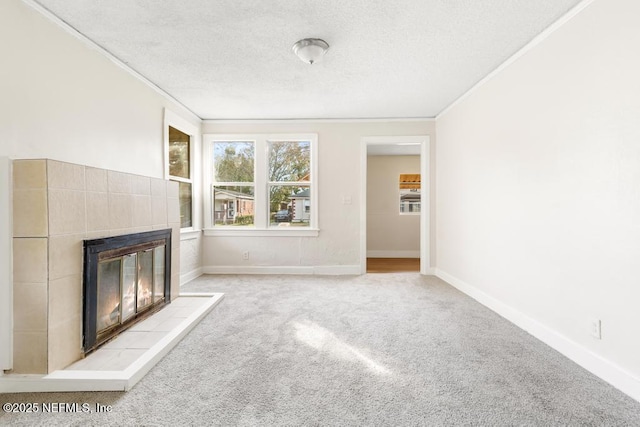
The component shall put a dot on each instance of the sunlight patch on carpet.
(315, 336)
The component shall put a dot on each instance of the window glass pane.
(289, 161)
(410, 193)
(233, 205)
(179, 153)
(185, 204)
(289, 206)
(233, 161)
(410, 201)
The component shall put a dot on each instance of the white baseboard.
(296, 269)
(594, 363)
(393, 254)
(187, 277)
(336, 270)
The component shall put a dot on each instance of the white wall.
(389, 234)
(336, 249)
(63, 100)
(538, 190)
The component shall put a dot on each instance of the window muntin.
(180, 171)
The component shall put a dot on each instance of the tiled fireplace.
(125, 279)
(56, 207)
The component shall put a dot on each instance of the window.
(233, 191)
(180, 171)
(289, 178)
(409, 185)
(261, 183)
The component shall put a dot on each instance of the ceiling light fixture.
(310, 50)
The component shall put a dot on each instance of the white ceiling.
(232, 59)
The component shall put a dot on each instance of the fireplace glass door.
(145, 279)
(125, 279)
(128, 285)
(158, 274)
(108, 294)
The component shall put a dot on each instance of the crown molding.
(333, 120)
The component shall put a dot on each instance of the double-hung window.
(180, 171)
(181, 140)
(261, 184)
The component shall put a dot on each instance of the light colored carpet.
(379, 349)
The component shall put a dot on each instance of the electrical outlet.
(595, 328)
(245, 255)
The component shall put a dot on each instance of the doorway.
(407, 260)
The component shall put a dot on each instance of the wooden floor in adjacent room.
(392, 265)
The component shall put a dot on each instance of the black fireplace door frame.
(92, 250)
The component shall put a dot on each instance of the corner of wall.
(6, 275)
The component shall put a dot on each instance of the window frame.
(173, 120)
(261, 184)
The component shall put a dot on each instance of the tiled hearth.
(56, 206)
(121, 363)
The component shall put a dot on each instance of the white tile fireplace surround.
(56, 206)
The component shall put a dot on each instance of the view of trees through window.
(288, 169)
(234, 161)
(234, 200)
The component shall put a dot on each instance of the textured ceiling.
(232, 59)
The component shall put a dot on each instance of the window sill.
(189, 234)
(261, 232)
